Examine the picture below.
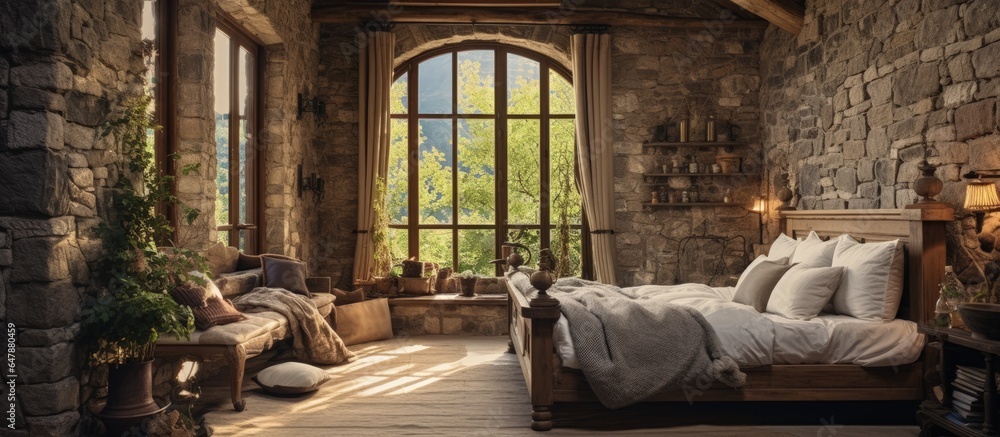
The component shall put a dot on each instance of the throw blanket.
(631, 348)
(312, 337)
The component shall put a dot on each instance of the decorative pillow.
(291, 378)
(815, 252)
(782, 247)
(222, 259)
(238, 282)
(284, 273)
(757, 262)
(191, 294)
(216, 311)
(247, 262)
(756, 288)
(803, 291)
(873, 279)
(348, 297)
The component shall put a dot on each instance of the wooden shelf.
(688, 205)
(696, 144)
(678, 175)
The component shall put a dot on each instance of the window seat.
(449, 314)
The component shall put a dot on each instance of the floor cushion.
(291, 378)
(364, 321)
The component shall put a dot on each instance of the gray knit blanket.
(631, 347)
(313, 340)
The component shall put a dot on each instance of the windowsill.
(450, 300)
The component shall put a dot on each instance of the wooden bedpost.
(546, 313)
(927, 255)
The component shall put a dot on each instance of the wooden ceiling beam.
(786, 14)
(513, 16)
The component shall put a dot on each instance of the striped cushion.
(216, 312)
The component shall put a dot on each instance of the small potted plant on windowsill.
(466, 283)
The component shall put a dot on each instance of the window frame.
(240, 38)
(501, 121)
(164, 102)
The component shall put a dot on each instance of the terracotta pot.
(729, 162)
(130, 397)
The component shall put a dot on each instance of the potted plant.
(466, 283)
(123, 320)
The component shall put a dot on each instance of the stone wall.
(655, 72)
(64, 66)
(853, 103)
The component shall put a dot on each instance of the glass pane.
(149, 20)
(436, 246)
(435, 171)
(562, 99)
(523, 88)
(530, 238)
(475, 82)
(399, 244)
(244, 240)
(246, 102)
(565, 196)
(434, 87)
(399, 100)
(523, 185)
(222, 102)
(476, 172)
(476, 250)
(397, 201)
(573, 248)
(223, 237)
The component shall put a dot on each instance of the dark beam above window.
(512, 16)
(786, 14)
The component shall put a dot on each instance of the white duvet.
(758, 339)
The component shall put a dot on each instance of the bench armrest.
(319, 284)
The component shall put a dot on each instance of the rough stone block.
(809, 180)
(916, 82)
(59, 425)
(26, 228)
(908, 127)
(857, 127)
(959, 94)
(49, 399)
(47, 337)
(846, 180)
(949, 153)
(39, 365)
(937, 28)
(432, 325)
(974, 119)
(885, 171)
(79, 137)
(880, 90)
(51, 76)
(960, 68)
(86, 109)
(34, 98)
(451, 325)
(43, 305)
(981, 17)
(984, 152)
(880, 116)
(868, 190)
(6, 257)
(941, 133)
(866, 169)
(30, 130)
(35, 182)
(43, 259)
(986, 61)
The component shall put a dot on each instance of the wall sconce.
(760, 207)
(981, 198)
(313, 105)
(312, 183)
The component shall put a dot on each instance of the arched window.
(482, 151)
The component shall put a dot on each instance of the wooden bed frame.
(921, 228)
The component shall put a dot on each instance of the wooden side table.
(956, 343)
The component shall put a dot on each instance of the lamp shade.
(981, 196)
(759, 204)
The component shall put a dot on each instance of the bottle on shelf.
(655, 197)
(953, 292)
(685, 198)
(942, 311)
(692, 165)
(676, 166)
(710, 129)
(684, 125)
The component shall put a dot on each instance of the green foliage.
(122, 322)
(475, 169)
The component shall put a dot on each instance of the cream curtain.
(373, 138)
(592, 83)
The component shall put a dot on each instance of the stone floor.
(465, 385)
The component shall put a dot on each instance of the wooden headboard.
(922, 231)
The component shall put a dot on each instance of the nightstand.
(960, 349)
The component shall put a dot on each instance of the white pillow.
(815, 252)
(291, 378)
(782, 247)
(873, 280)
(754, 263)
(803, 291)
